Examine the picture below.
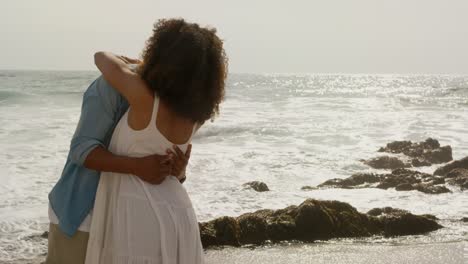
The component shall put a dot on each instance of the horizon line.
(264, 73)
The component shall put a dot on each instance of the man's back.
(72, 198)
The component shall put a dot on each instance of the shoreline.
(332, 252)
(337, 253)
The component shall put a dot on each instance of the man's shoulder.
(107, 97)
(101, 86)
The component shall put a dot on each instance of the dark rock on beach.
(407, 224)
(253, 229)
(401, 222)
(257, 186)
(221, 231)
(386, 211)
(357, 180)
(407, 180)
(457, 164)
(386, 162)
(455, 173)
(458, 177)
(422, 153)
(312, 220)
(37, 237)
(464, 219)
(308, 188)
(45, 234)
(400, 179)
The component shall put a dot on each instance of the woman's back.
(172, 126)
(144, 222)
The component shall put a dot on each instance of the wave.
(254, 129)
(222, 131)
(7, 75)
(4, 95)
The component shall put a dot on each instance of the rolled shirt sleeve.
(99, 115)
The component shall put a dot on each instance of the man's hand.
(153, 169)
(180, 161)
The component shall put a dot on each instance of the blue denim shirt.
(72, 198)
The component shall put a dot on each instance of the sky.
(260, 36)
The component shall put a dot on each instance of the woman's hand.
(128, 60)
(179, 161)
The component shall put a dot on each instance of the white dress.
(135, 222)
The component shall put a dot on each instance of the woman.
(178, 86)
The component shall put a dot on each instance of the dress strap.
(195, 127)
(154, 114)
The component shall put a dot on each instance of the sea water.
(285, 130)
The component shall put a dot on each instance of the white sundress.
(135, 222)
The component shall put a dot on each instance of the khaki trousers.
(66, 250)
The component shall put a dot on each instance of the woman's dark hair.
(186, 66)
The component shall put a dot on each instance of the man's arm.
(152, 169)
(99, 113)
(101, 110)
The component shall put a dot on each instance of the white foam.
(288, 131)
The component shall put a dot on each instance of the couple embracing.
(120, 198)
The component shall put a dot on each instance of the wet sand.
(443, 253)
(334, 253)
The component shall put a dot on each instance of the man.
(72, 198)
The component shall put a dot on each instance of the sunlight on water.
(286, 130)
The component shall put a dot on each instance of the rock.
(45, 234)
(396, 147)
(417, 162)
(354, 181)
(386, 211)
(308, 188)
(400, 179)
(281, 225)
(464, 219)
(439, 155)
(458, 177)
(408, 224)
(438, 180)
(397, 221)
(313, 221)
(423, 153)
(455, 173)
(38, 237)
(220, 232)
(257, 186)
(386, 162)
(404, 187)
(281, 230)
(432, 189)
(252, 229)
(458, 164)
(310, 221)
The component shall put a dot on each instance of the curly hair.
(186, 66)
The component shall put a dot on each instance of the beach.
(442, 253)
(286, 130)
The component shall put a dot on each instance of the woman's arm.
(123, 79)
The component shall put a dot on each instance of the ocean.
(287, 130)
